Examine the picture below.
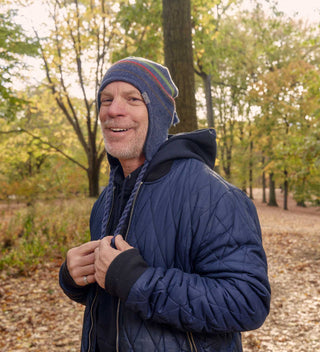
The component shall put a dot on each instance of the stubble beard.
(131, 150)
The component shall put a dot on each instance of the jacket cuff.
(123, 272)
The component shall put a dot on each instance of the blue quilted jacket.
(205, 274)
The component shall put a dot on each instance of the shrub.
(43, 231)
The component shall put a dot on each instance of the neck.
(128, 166)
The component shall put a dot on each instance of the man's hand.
(105, 254)
(80, 263)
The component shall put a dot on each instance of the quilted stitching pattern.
(208, 272)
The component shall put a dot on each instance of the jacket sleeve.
(228, 288)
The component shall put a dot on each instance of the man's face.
(124, 121)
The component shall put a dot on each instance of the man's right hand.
(80, 263)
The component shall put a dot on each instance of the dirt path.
(36, 316)
(292, 243)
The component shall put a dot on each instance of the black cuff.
(123, 272)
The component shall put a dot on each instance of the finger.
(91, 279)
(88, 259)
(88, 270)
(78, 272)
(96, 254)
(77, 262)
(89, 247)
(106, 240)
(86, 280)
(121, 244)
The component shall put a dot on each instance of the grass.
(44, 231)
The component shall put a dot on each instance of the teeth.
(118, 129)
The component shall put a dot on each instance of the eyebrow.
(126, 92)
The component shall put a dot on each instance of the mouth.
(116, 130)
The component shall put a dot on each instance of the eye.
(106, 101)
(135, 100)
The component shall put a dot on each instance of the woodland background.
(253, 75)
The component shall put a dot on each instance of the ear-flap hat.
(158, 91)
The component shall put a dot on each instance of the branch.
(73, 122)
(11, 131)
(22, 130)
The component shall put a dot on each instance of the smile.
(119, 129)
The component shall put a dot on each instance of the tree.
(285, 92)
(14, 45)
(207, 17)
(75, 55)
(230, 63)
(29, 163)
(178, 52)
(142, 37)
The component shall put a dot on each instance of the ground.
(36, 316)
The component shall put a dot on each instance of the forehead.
(119, 86)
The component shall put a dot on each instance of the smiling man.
(124, 122)
(175, 261)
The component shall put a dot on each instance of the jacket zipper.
(96, 294)
(125, 238)
(193, 347)
(91, 315)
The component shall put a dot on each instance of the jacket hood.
(200, 145)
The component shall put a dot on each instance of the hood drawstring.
(128, 206)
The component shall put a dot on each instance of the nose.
(116, 108)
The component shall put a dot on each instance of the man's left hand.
(105, 254)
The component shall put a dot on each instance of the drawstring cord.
(127, 208)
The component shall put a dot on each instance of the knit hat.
(158, 91)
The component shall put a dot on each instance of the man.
(176, 261)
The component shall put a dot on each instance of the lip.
(117, 130)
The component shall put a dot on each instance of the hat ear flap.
(175, 119)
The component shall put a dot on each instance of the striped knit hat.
(158, 91)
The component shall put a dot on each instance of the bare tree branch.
(57, 149)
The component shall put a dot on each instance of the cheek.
(101, 115)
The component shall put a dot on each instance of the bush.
(44, 231)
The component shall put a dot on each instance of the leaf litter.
(36, 316)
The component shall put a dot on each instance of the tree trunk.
(226, 154)
(286, 190)
(209, 105)
(93, 178)
(264, 184)
(301, 200)
(93, 170)
(251, 168)
(244, 186)
(272, 191)
(178, 54)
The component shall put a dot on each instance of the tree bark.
(93, 178)
(272, 191)
(251, 172)
(286, 190)
(264, 186)
(179, 59)
(209, 104)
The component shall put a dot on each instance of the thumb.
(121, 244)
